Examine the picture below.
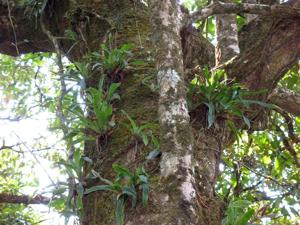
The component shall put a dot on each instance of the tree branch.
(11, 147)
(289, 122)
(269, 48)
(289, 147)
(287, 100)
(19, 31)
(233, 8)
(197, 51)
(23, 199)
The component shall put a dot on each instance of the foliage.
(138, 132)
(21, 81)
(12, 214)
(12, 180)
(100, 109)
(261, 170)
(116, 58)
(292, 79)
(125, 187)
(238, 213)
(220, 96)
(12, 165)
(193, 5)
(67, 196)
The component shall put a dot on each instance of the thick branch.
(20, 32)
(287, 100)
(233, 8)
(196, 50)
(269, 47)
(227, 45)
(23, 199)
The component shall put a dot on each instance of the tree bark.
(227, 38)
(23, 199)
(287, 100)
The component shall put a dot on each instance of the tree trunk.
(178, 194)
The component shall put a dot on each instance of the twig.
(63, 87)
(59, 112)
(253, 186)
(289, 147)
(3, 147)
(36, 159)
(13, 27)
(265, 176)
(290, 126)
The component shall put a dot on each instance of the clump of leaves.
(143, 133)
(112, 59)
(125, 188)
(238, 213)
(72, 203)
(138, 132)
(101, 110)
(220, 95)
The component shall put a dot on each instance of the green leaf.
(266, 160)
(145, 193)
(119, 211)
(263, 104)
(240, 204)
(58, 204)
(243, 220)
(133, 124)
(112, 89)
(121, 171)
(145, 139)
(138, 63)
(131, 192)
(99, 188)
(59, 190)
(77, 157)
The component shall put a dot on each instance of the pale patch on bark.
(235, 48)
(187, 187)
(178, 108)
(207, 11)
(250, 17)
(169, 164)
(234, 28)
(164, 198)
(167, 79)
(227, 38)
(164, 16)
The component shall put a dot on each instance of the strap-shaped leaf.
(99, 188)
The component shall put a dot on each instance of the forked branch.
(217, 7)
